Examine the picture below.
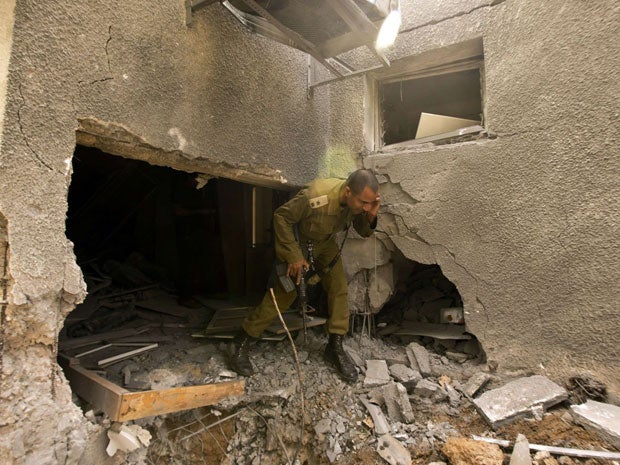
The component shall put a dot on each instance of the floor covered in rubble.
(264, 424)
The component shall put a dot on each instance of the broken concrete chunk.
(426, 388)
(127, 438)
(601, 418)
(323, 426)
(419, 359)
(463, 451)
(377, 373)
(381, 424)
(458, 357)
(544, 458)
(392, 451)
(405, 375)
(397, 403)
(521, 452)
(475, 383)
(515, 400)
(334, 452)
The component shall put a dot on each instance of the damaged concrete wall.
(524, 224)
(135, 80)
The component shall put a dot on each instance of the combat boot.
(240, 360)
(335, 354)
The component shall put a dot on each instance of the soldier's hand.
(294, 270)
(374, 209)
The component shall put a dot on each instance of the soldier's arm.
(284, 218)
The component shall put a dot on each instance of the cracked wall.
(525, 224)
(211, 98)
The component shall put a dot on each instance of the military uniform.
(317, 212)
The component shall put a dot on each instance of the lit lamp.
(389, 28)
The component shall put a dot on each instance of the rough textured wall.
(6, 39)
(526, 224)
(211, 93)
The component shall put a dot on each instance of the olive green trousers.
(334, 283)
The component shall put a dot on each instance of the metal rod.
(346, 76)
(556, 450)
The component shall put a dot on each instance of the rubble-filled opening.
(139, 224)
(427, 304)
(162, 252)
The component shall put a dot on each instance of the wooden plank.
(91, 387)
(164, 304)
(124, 355)
(94, 338)
(123, 405)
(438, 331)
(136, 405)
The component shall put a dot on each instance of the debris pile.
(393, 414)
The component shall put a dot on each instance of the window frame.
(416, 69)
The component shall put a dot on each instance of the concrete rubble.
(390, 411)
(517, 399)
(600, 417)
(521, 452)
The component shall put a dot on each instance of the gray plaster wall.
(207, 95)
(526, 224)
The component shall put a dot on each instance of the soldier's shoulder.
(323, 186)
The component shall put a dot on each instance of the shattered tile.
(515, 400)
(601, 418)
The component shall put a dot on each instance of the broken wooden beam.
(123, 405)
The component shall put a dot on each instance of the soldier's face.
(361, 202)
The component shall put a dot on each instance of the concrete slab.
(516, 399)
(380, 422)
(426, 388)
(405, 375)
(419, 359)
(475, 383)
(397, 403)
(600, 417)
(377, 373)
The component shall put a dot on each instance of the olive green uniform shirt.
(317, 211)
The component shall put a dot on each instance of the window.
(436, 97)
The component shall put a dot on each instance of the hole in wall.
(161, 252)
(426, 305)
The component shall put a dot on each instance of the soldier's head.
(361, 190)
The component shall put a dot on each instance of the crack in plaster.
(23, 133)
(106, 46)
(455, 15)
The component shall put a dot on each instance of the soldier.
(318, 211)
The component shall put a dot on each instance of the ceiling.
(322, 28)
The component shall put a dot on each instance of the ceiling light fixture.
(389, 28)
